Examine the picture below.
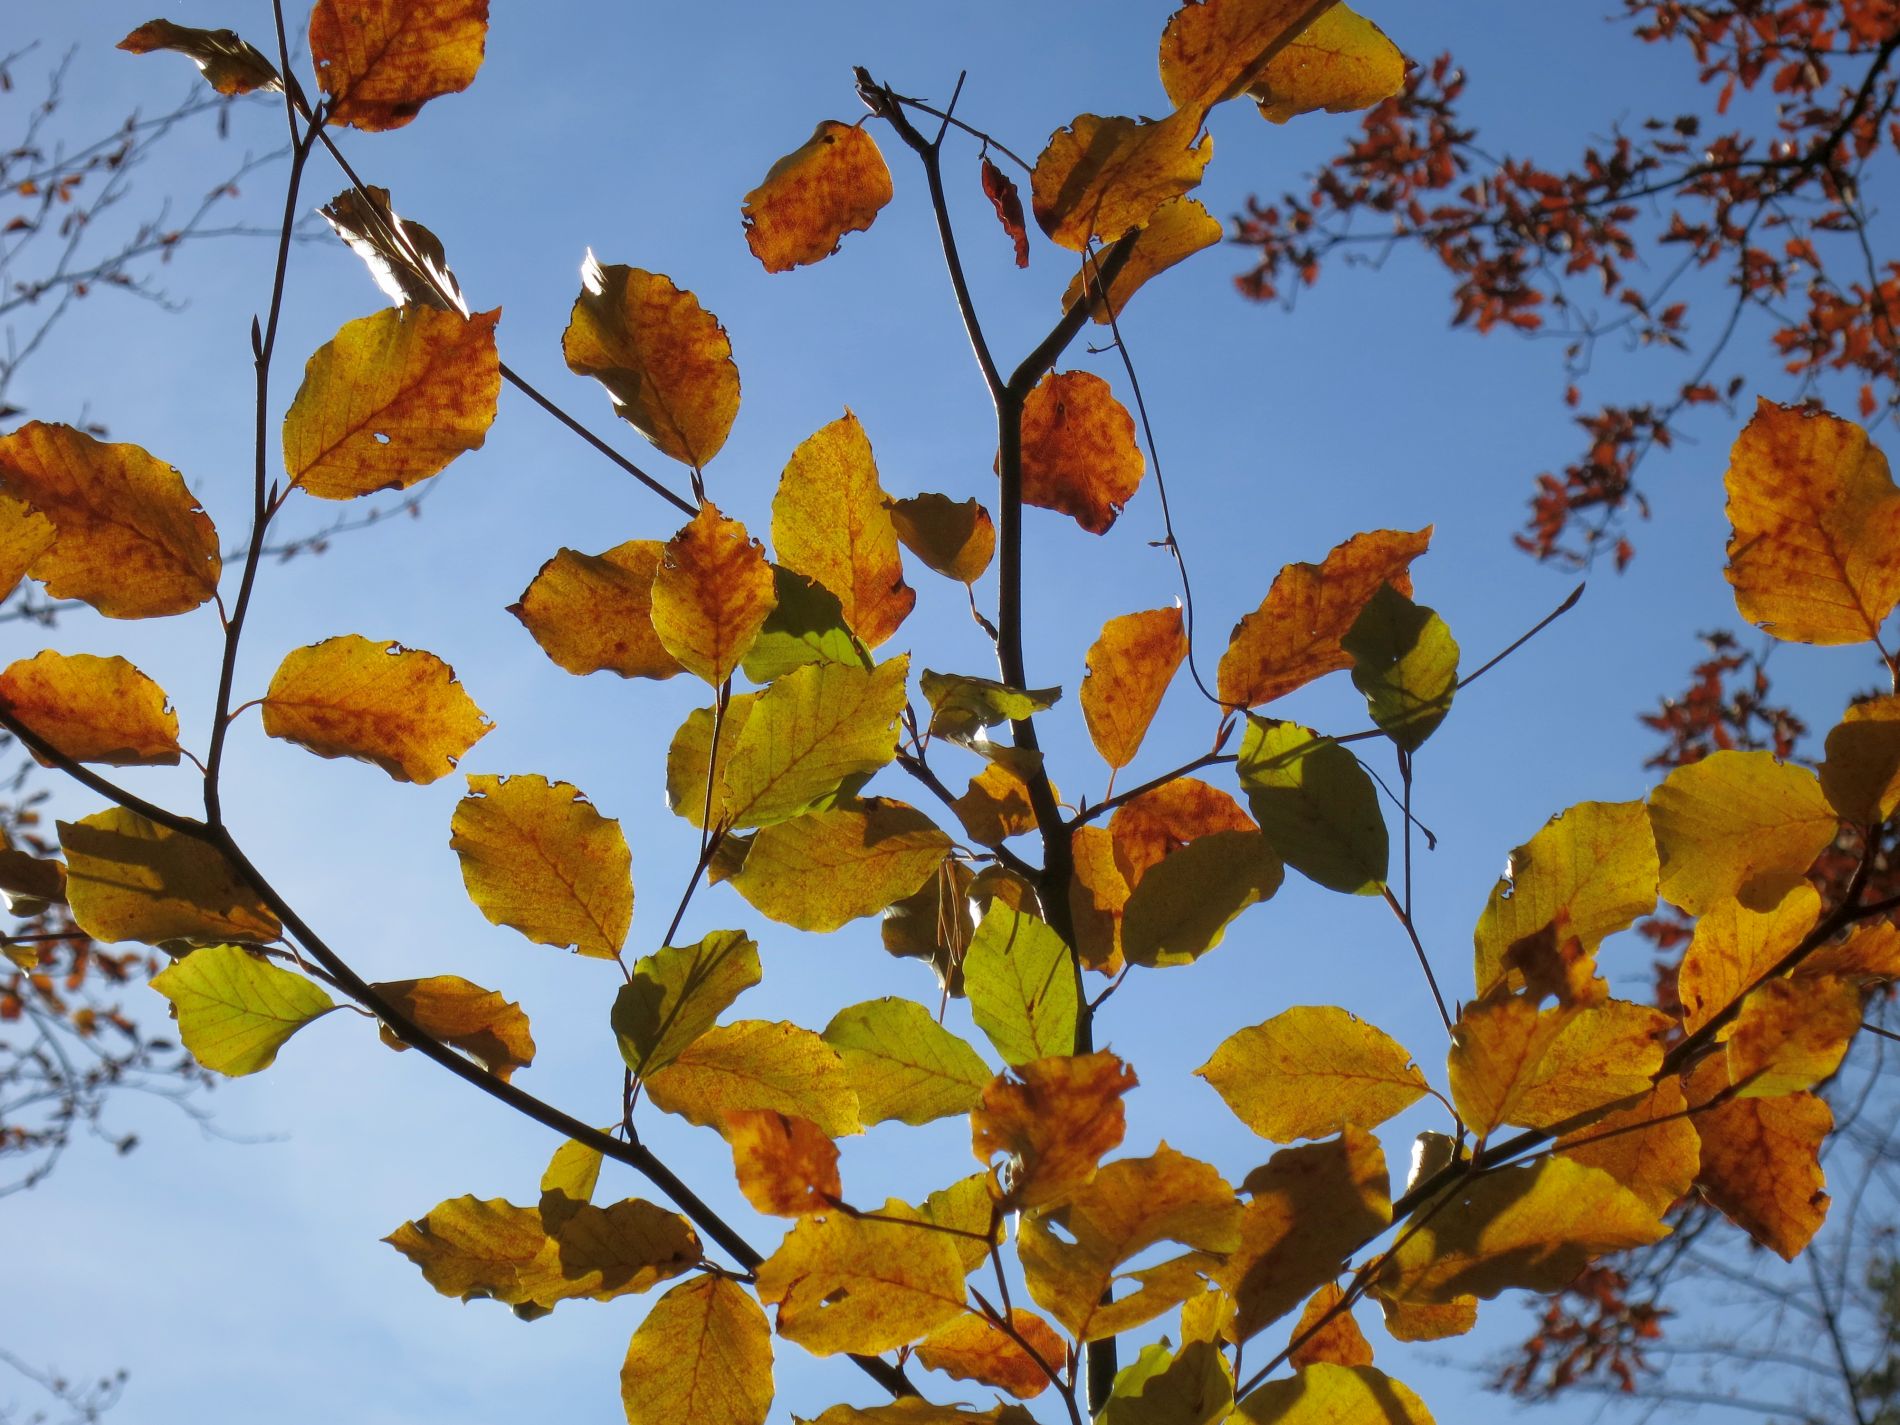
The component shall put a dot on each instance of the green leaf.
(235, 1009)
(1185, 902)
(904, 1064)
(1316, 804)
(810, 734)
(960, 705)
(1405, 661)
(827, 868)
(1193, 1388)
(677, 993)
(1021, 985)
(806, 626)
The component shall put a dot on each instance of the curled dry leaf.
(1053, 1119)
(405, 258)
(380, 61)
(93, 709)
(1000, 189)
(230, 65)
(1079, 456)
(834, 184)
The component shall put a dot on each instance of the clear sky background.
(240, 1277)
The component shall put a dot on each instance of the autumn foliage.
(1574, 1122)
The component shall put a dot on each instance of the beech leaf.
(811, 738)
(1327, 1394)
(229, 64)
(903, 1064)
(1099, 177)
(1175, 231)
(1738, 825)
(1053, 1119)
(488, 1028)
(835, 183)
(753, 1064)
(1212, 50)
(1021, 986)
(1311, 1070)
(1861, 775)
(677, 993)
(824, 869)
(1129, 668)
(786, 1166)
(1340, 62)
(235, 1009)
(970, 1348)
(93, 709)
(593, 613)
(1761, 1160)
(1405, 661)
(1316, 804)
(862, 1285)
(956, 539)
(406, 260)
(380, 61)
(711, 595)
(131, 879)
(703, 1354)
(1079, 456)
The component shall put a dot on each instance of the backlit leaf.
(834, 184)
(1862, 773)
(806, 625)
(1097, 898)
(1099, 177)
(997, 806)
(848, 1284)
(1021, 985)
(568, 1182)
(1212, 50)
(689, 761)
(1079, 456)
(593, 613)
(488, 1028)
(1183, 906)
(970, 1348)
(1000, 189)
(1316, 804)
(129, 538)
(903, 1064)
(397, 707)
(957, 539)
(915, 1411)
(1405, 661)
(786, 1166)
(1658, 1162)
(1053, 1118)
(1737, 825)
(676, 994)
(1335, 1337)
(1426, 1321)
(1176, 230)
(825, 869)
(971, 1214)
(1791, 1034)
(1340, 62)
(380, 61)
(711, 594)
(703, 1354)
(1816, 522)
(960, 704)
(1129, 668)
(757, 1064)
(1155, 825)
(235, 1009)
(130, 879)
(1310, 1071)
(815, 735)
(405, 259)
(1761, 1159)
(936, 923)
(93, 709)
(229, 64)
(664, 359)
(25, 534)
(390, 400)
(1295, 635)
(1734, 947)
(1511, 1062)
(1324, 1394)
(1869, 955)
(1195, 1387)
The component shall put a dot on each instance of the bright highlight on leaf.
(1310, 1071)
(235, 1009)
(380, 61)
(488, 1028)
(93, 709)
(593, 613)
(405, 258)
(130, 879)
(832, 522)
(834, 184)
(229, 64)
(711, 595)
(703, 1354)
(1737, 825)
(1079, 454)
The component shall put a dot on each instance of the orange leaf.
(380, 61)
(956, 540)
(1078, 450)
(398, 707)
(1153, 826)
(1055, 1118)
(391, 400)
(1129, 669)
(1000, 189)
(970, 1348)
(711, 595)
(997, 806)
(129, 537)
(1792, 1034)
(1340, 62)
(93, 709)
(1212, 50)
(1734, 947)
(835, 184)
(1658, 1163)
(1099, 177)
(1338, 1342)
(1293, 637)
(786, 1166)
(25, 534)
(1761, 1159)
(1097, 897)
(664, 359)
(1816, 522)
(593, 613)
(1176, 230)
(479, 1022)
(229, 64)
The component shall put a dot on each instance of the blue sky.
(241, 1275)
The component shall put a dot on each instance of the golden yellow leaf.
(1097, 897)
(593, 613)
(25, 534)
(754, 1064)
(229, 64)
(955, 539)
(1129, 668)
(1511, 1062)
(1862, 773)
(568, 1182)
(1213, 50)
(1021, 985)
(1153, 826)
(1079, 456)
(235, 1009)
(848, 1284)
(904, 1064)
(834, 184)
(825, 869)
(1206, 1317)
(1073, 1254)
(971, 1215)
(1099, 177)
(1310, 1208)
(538, 858)
(1424, 1321)
(675, 994)
(809, 740)
(1657, 1163)
(1053, 1118)
(1868, 956)
(711, 594)
(390, 400)
(971, 1348)
(664, 359)
(1294, 636)
(130, 879)
(1761, 1159)
(1792, 1034)
(490, 1029)
(785, 1164)
(703, 1355)
(400, 708)
(1176, 230)
(832, 521)
(1816, 522)
(380, 61)
(1310, 1071)
(690, 760)
(93, 709)
(1324, 1394)
(1340, 62)
(129, 538)
(1738, 825)
(1734, 947)
(1335, 1338)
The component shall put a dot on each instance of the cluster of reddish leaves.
(1587, 1331)
(1767, 199)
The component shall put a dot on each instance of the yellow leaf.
(757, 1064)
(703, 1355)
(129, 538)
(1761, 1159)
(1816, 522)
(594, 612)
(1311, 1207)
(228, 63)
(1175, 231)
(1079, 456)
(1511, 1062)
(1738, 825)
(391, 400)
(1054, 1118)
(903, 1064)
(690, 760)
(1153, 826)
(810, 739)
(677, 993)
(1424, 1321)
(538, 858)
(1073, 1255)
(1021, 986)
(397, 707)
(1294, 636)
(130, 879)
(1792, 1034)
(831, 521)
(971, 1348)
(711, 595)
(825, 869)
(1335, 1338)
(1129, 668)
(955, 539)
(1340, 62)
(1184, 904)
(235, 1009)
(1213, 50)
(1868, 956)
(1097, 897)
(93, 709)
(1658, 1162)
(1734, 947)
(1862, 773)
(786, 1166)
(847, 1284)
(1207, 1317)
(1310, 1071)
(664, 359)
(380, 61)
(479, 1022)
(1324, 1394)
(971, 1215)
(25, 534)
(568, 1183)
(1100, 177)
(832, 185)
